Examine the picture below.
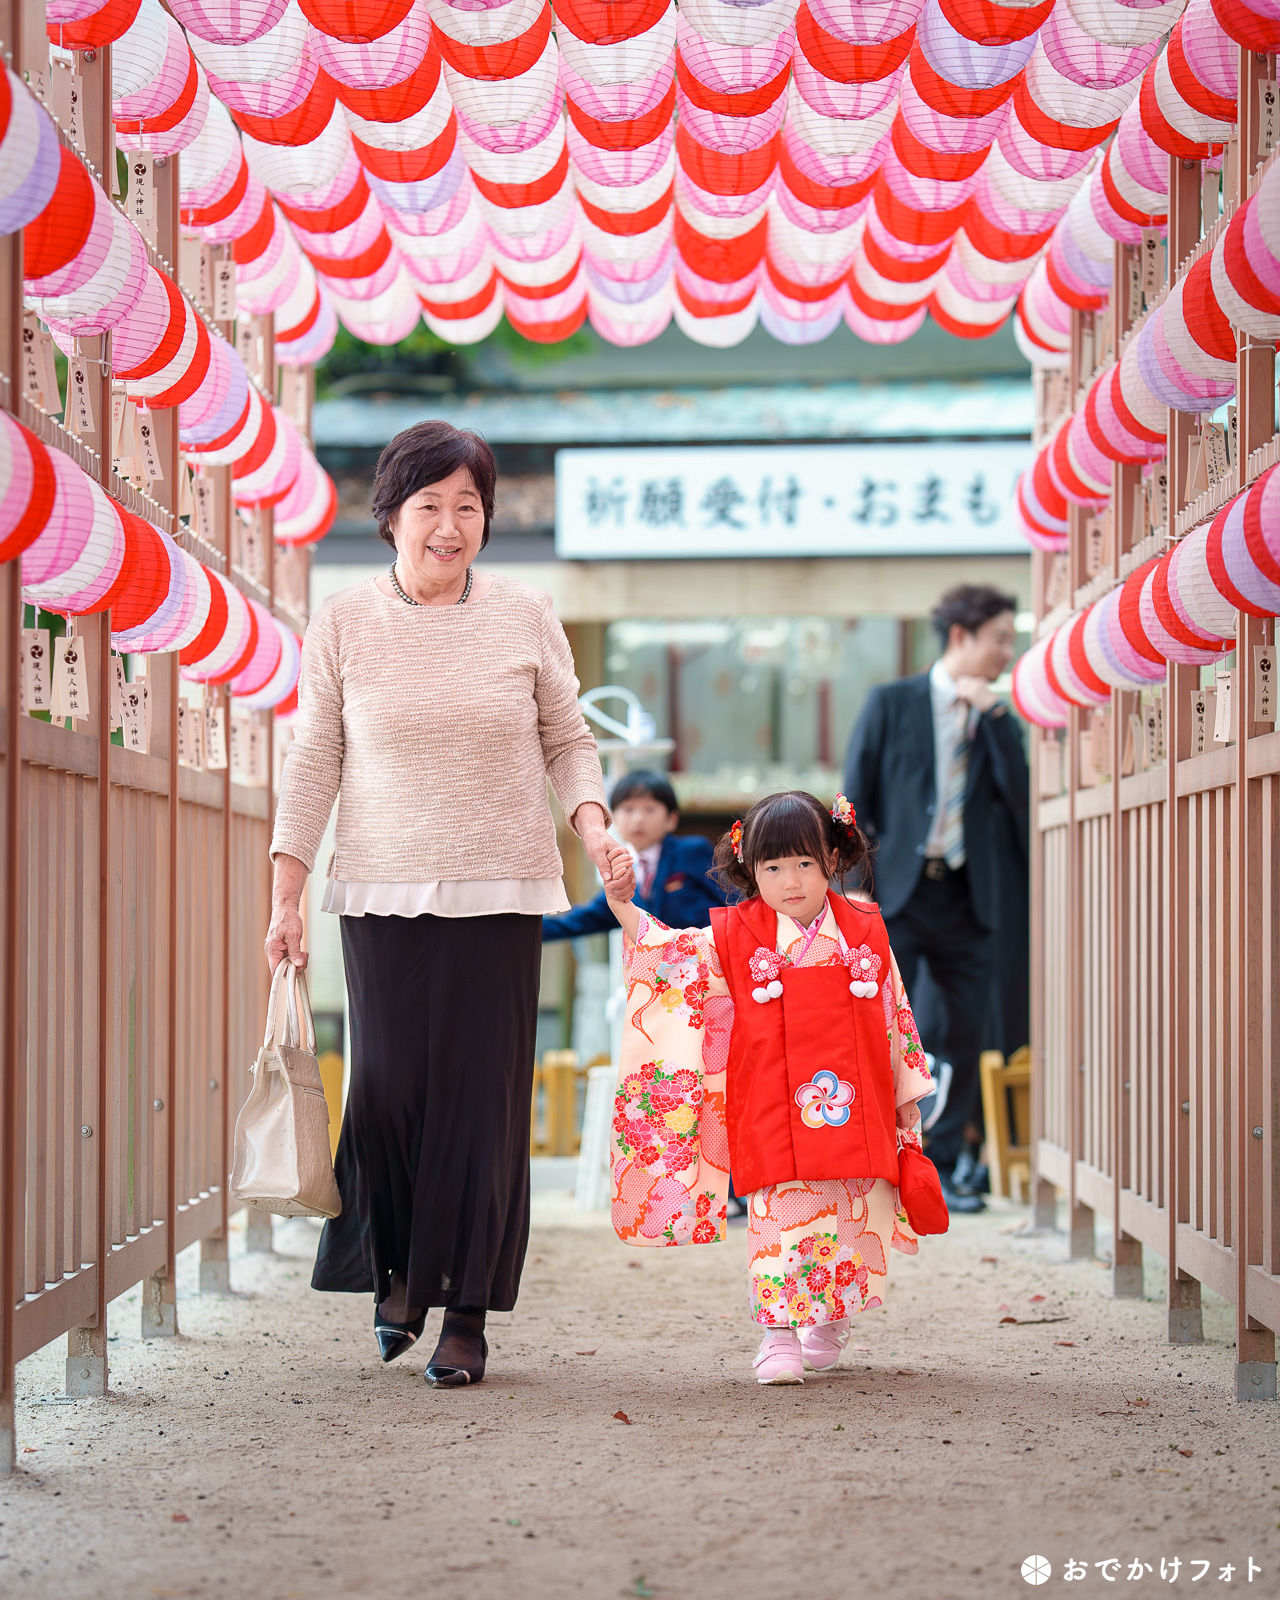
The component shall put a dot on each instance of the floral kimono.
(818, 1248)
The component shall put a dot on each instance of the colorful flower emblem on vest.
(765, 967)
(825, 1102)
(864, 971)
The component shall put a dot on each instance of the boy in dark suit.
(938, 778)
(673, 881)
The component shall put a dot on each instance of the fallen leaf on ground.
(1004, 1308)
(179, 1516)
(1065, 1344)
(636, 1264)
(990, 1259)
(621, 1416)
(1138, 1402)
(907, 1372)
(1186, 1452)
(584, 1352)
(1035, 1322)
(1035, 1299)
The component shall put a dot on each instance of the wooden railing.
(134, 895)
(1156, 920)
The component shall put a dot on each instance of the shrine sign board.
(870, 499)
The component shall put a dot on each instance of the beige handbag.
(282, 1161)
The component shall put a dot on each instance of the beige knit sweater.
(436, 728)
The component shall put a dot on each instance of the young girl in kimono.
(778, 1042)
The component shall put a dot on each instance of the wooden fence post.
(1126, 1264)
(86, 1360)
(1255, 418)
(160, 1290)
(1186, 1325)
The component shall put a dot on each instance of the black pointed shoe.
(465, 1333)
(394, 1338)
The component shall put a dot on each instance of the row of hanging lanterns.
(83, 552)
(795, 164)
(1183, 357)
(1180, 607)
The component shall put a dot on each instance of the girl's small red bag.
(921, 1192)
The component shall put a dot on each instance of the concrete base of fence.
(86, 1363)
(1082, 1246)
(215, 1269)
(159, 1309)
(1186, 1320)
(1126, 1271)
(1045, 1205)
(1255, 1380)
(257, 1231)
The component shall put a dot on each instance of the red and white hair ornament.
(843, 814)
(735, 838)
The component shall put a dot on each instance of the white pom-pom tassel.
(775, 989)
(760, 995)
(871, 990)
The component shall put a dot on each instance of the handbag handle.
(300, 1011)
(284, 1026)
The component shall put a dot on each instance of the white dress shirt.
(647, 868)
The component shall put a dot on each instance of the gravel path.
(267, 1452)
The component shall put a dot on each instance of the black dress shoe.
(464, 1337)
(970, 1176)
(394, 1338)
(960, 1204)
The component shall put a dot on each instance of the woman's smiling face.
(439, 529)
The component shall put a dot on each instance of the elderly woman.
(435, 702)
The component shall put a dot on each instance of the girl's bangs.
(791, 827)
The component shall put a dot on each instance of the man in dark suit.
(673, 881)
(932, 761)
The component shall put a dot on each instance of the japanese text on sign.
(788, 500)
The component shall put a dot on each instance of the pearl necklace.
(410, 601)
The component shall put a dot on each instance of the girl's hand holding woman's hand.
(609, 858)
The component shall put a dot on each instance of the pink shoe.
(821, 1345)
(780, 1359)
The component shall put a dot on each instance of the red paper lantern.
(215, 625)
(355, 21)
(628, 134)
(98, 28)
(57, 236)
(992, 24)
(396, 101)
(609, 21)
(722, 174)
(721, 260)
(506, 60)
(30, 521)
(149, 576)
(842, 62)
(307, 121)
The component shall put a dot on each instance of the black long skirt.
(433, 1158)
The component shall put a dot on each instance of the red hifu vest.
(778, 1046)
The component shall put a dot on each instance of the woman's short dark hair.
(638, 785)
(425, 454)
(790, 824)
(970, 605)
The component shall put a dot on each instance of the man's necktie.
(953, 815)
